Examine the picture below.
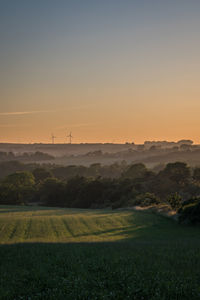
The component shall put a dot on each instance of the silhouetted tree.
(73, 191)
(135, 171)
(17, 188)
(52, 192)
(178, 172)
(196, 174)
(41, 174)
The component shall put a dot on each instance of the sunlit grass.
(43, 224)
(24, 224)
(54, 253)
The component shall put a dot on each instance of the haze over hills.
(150, 153)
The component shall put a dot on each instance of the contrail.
(16, 113)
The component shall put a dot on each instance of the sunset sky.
(107, 71)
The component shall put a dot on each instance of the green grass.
(53, 253)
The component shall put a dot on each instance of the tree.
(135, 171)
(178, 172)
(51, 192)
(92, 194)
(9, 167)
(17, 188)
(94, 169)
(41, 174)
(185, 147)
(196, 174)
(20, 178)
(69, 171)
(189, 142)
(74, 191)
(189, 213)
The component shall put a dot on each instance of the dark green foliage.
(17, 188)
(19, 179)
(146, 199)
(178, 172)
(163, 186)
(93, 188)
(111, 271)
(196, 174)
(73, 191)
(91, 194)
(94, 170)
(175, 201)
(69, 172)
(155, 258)
(41, 174)
(190, 212)
(135, 171)
(51, 192)
(190, 190)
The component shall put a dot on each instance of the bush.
(175, 201)
(190, 213)
(146, 199)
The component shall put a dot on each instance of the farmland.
(54, 253)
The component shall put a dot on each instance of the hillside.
(43, 224)
(51, 253)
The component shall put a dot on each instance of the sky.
(106, 71)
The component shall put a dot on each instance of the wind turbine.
(70, 137)
(53, 138)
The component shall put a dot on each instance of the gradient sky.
(108, 71)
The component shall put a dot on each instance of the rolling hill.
(54, 253)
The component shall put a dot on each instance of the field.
(53, 253)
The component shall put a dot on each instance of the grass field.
(53, 253)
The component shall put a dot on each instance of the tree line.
(177, 184)
(26, 156)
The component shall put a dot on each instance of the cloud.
(17, 113)
(20, 113)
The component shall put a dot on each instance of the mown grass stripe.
(19, 224)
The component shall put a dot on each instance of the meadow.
(57, 253)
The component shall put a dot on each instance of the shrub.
(175, 201)
(146, 199)
(190, 213)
